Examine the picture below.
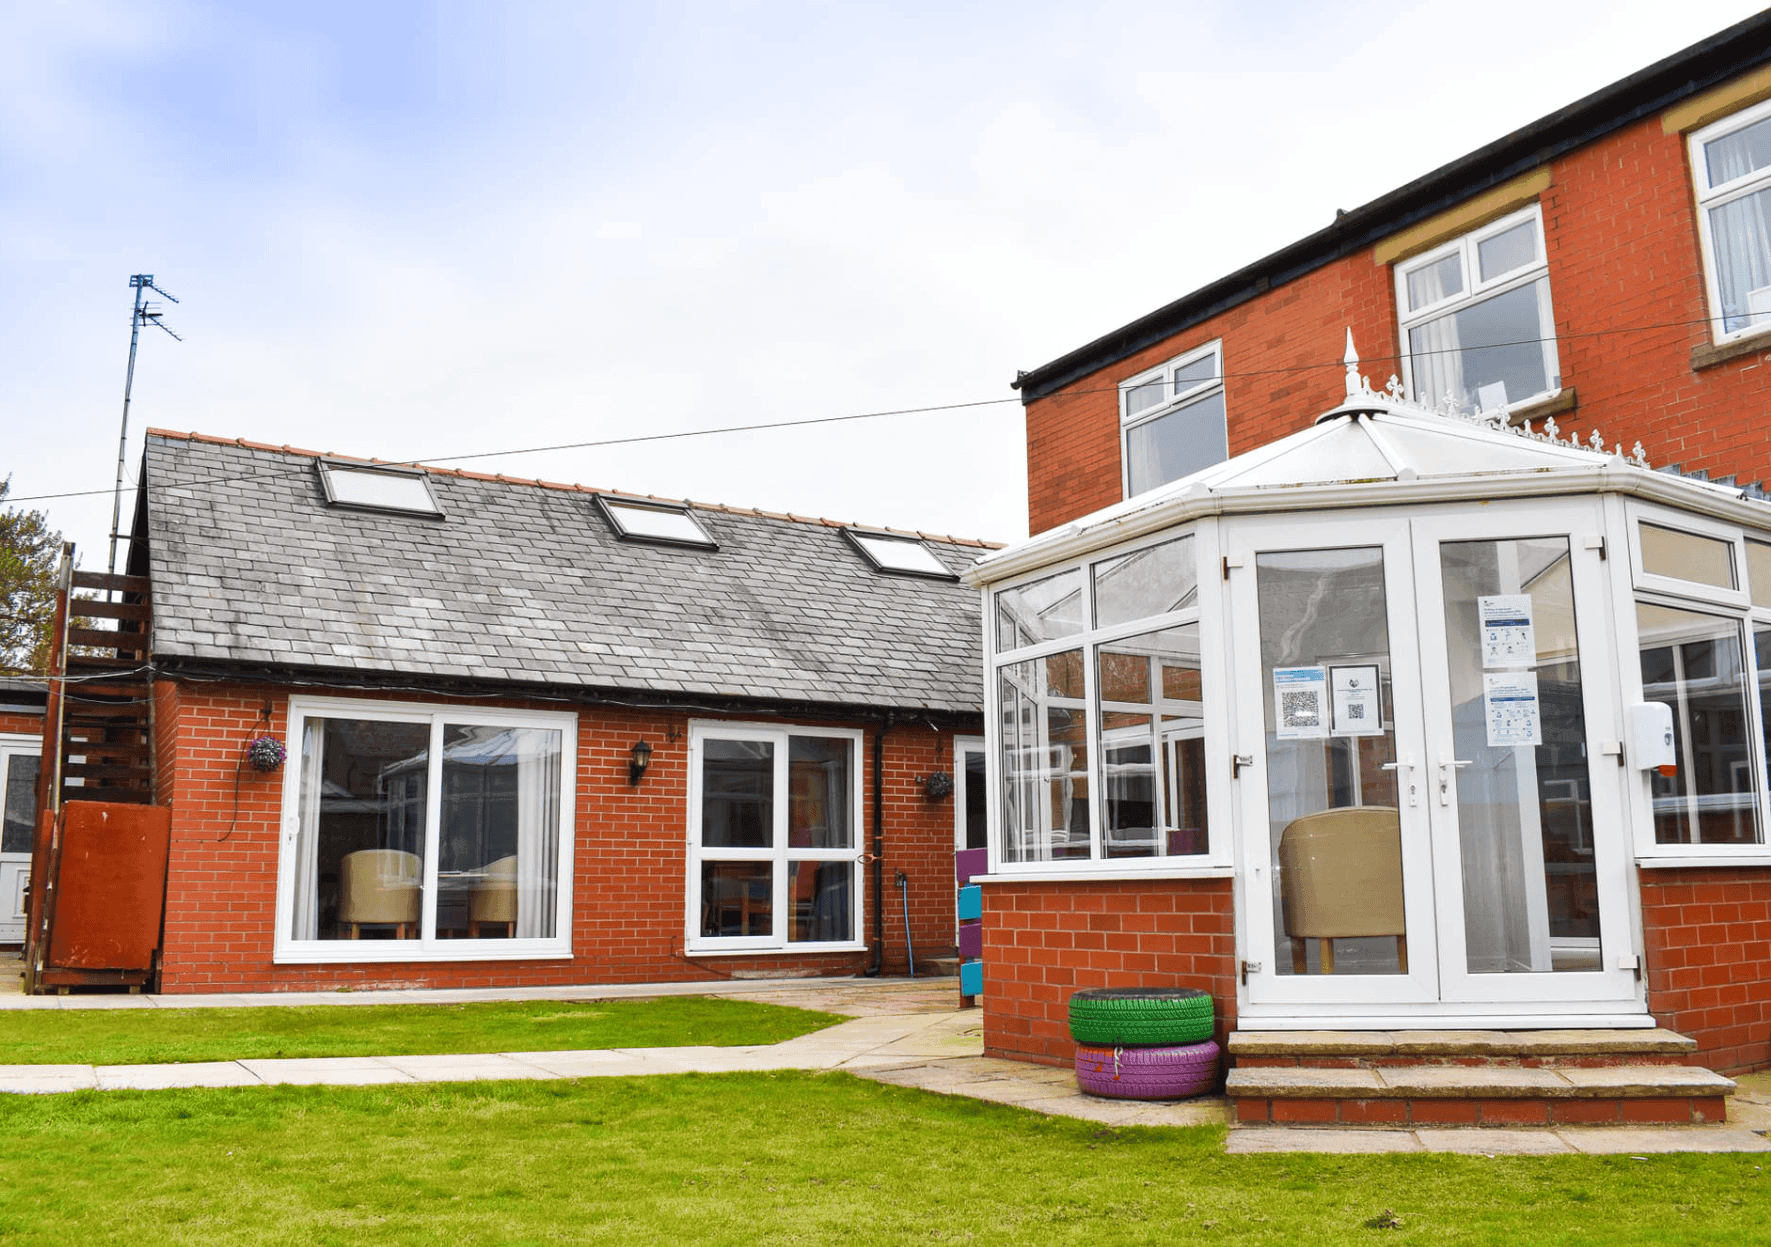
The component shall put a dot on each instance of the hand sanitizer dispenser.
(1651, 738)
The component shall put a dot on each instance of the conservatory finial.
(1355, 383)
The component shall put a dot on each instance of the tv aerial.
(146, 312)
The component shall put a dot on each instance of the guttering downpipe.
(879, 847)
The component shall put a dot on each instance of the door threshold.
(1255, 1020)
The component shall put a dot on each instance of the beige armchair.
(493, 900)
(1341, 878)
(380, 887)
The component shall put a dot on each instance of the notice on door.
(1300, 702)
(1357, 711)
(1505, 620)
(1510, 702)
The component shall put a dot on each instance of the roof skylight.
(902, 556)
(654, 521)
(377, 488)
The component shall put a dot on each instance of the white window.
(425, 833)
(774, 838)
(894, 555)
(1476, 320)
(658, 522)
(377, 488)
(1731, 162)
(1172, 420)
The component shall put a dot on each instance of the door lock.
(1238, 761)
(1405, 764)
(1447, 768)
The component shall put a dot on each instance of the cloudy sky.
(432, 230)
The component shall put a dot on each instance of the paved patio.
(908, 1032)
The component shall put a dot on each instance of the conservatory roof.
(1378, 448)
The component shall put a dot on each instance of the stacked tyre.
(1143, 1043)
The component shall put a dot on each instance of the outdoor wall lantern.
(641, 758)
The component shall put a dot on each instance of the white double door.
(18, 821)
(1427, 785)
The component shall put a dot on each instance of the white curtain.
(306, 925)
(1434, 350)
(538, 829)
(1740, 235)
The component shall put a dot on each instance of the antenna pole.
(141, 283)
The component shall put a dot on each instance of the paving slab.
(1620, 1140)
(1648, 1080)
(46, 1079)
(1332, 1142)
(1478, 1142)
(1490, 1081)
(336, 1071)
(463, 1067)
(162, 1077)
(1361, 1083)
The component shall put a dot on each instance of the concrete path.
(908, 1032)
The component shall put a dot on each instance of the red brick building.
(1607, 266)
(523, 733)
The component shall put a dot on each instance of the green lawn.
(143, 1036)
(747, 1159)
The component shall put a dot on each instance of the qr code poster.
(1358, 710)
(1300, 702)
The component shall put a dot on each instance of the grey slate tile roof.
(525, 582)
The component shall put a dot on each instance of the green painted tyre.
(1134, 1016)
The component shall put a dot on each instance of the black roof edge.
(1685, 73)
(204, 671)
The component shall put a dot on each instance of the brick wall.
(1043, 941)
(1626, 282)
(13, 723)
(1709, 960)
(629, 880)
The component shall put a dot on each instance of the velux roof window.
(654, 521)
(377, 488)
(899, 556)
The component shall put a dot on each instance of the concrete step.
(1489, 1095)
(1591, 1049)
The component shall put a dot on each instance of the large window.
(425, 833)
(1172, 419)
(1476, 320)
(1731, 163)
(775, 838)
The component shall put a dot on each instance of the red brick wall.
(1626, 282)
(15, 724)
(1709, 960)
(629, 874)
(1043, 941)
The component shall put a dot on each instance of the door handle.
(1447, 768)
(1405, 764)
(1238, 761)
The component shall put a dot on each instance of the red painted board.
(110, 887)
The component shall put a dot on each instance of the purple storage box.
(971, 941)
(969, 862)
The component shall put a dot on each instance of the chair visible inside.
(1340, 875)
(493, 901)
(380, 887)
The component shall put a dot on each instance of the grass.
(147, 1036)
(749, 1159)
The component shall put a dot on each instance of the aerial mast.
(146, 313)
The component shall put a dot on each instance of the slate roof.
(525, 582)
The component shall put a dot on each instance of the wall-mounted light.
(640, 757)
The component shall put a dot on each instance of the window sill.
(1120, 875)
(1711, 355)
(1757, 859)
(1562, 400)
(777, 950)
(361, 955)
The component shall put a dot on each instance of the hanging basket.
(265, 753)
(938, 786)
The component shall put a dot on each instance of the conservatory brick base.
(1708, 936)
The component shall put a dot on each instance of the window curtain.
(306, 924)
(1434, 349)
(538, 804)
(1740, 236)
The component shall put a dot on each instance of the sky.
(435, 231)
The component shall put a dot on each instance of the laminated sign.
(1357, 711)
(1300, 702)
(1505, 620)
(1509, 702)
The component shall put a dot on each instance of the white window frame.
(1172, 402)
(289, 951)
(1477, 291)
(1710, 197)
(779, 853)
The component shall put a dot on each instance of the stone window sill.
(1710, 356)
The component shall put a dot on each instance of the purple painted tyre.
(1171, 1072)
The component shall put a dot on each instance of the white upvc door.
(18, 791)
(1429, 797)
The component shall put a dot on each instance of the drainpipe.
(879, 847)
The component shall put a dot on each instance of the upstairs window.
(1476, 320)
(654, 521)
(1172, 420)
(1731, 162)
(899, 556)
(377, 488)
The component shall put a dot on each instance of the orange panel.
(110, 887)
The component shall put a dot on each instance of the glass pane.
(1152, 581)
(737, 898)
(1758, 572)
(396, 491)
(1439, 280)
(499, 848)
(1334, 829)
(1177, 444)
(737, 794)
(819, 807)
(1045, 798)
(360, 846)
(1507, 250)
(902, 555)
(977, 801)
(1741, 251)
(1041, 611)
(1735, 155)
(1498, 342)
(1692, 663)
(21, 803)
(1197, 373)
(821, 895)
(1144, 397)
(1524, 797)
(1686, 556)
(663, 523)
(1152, 745)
